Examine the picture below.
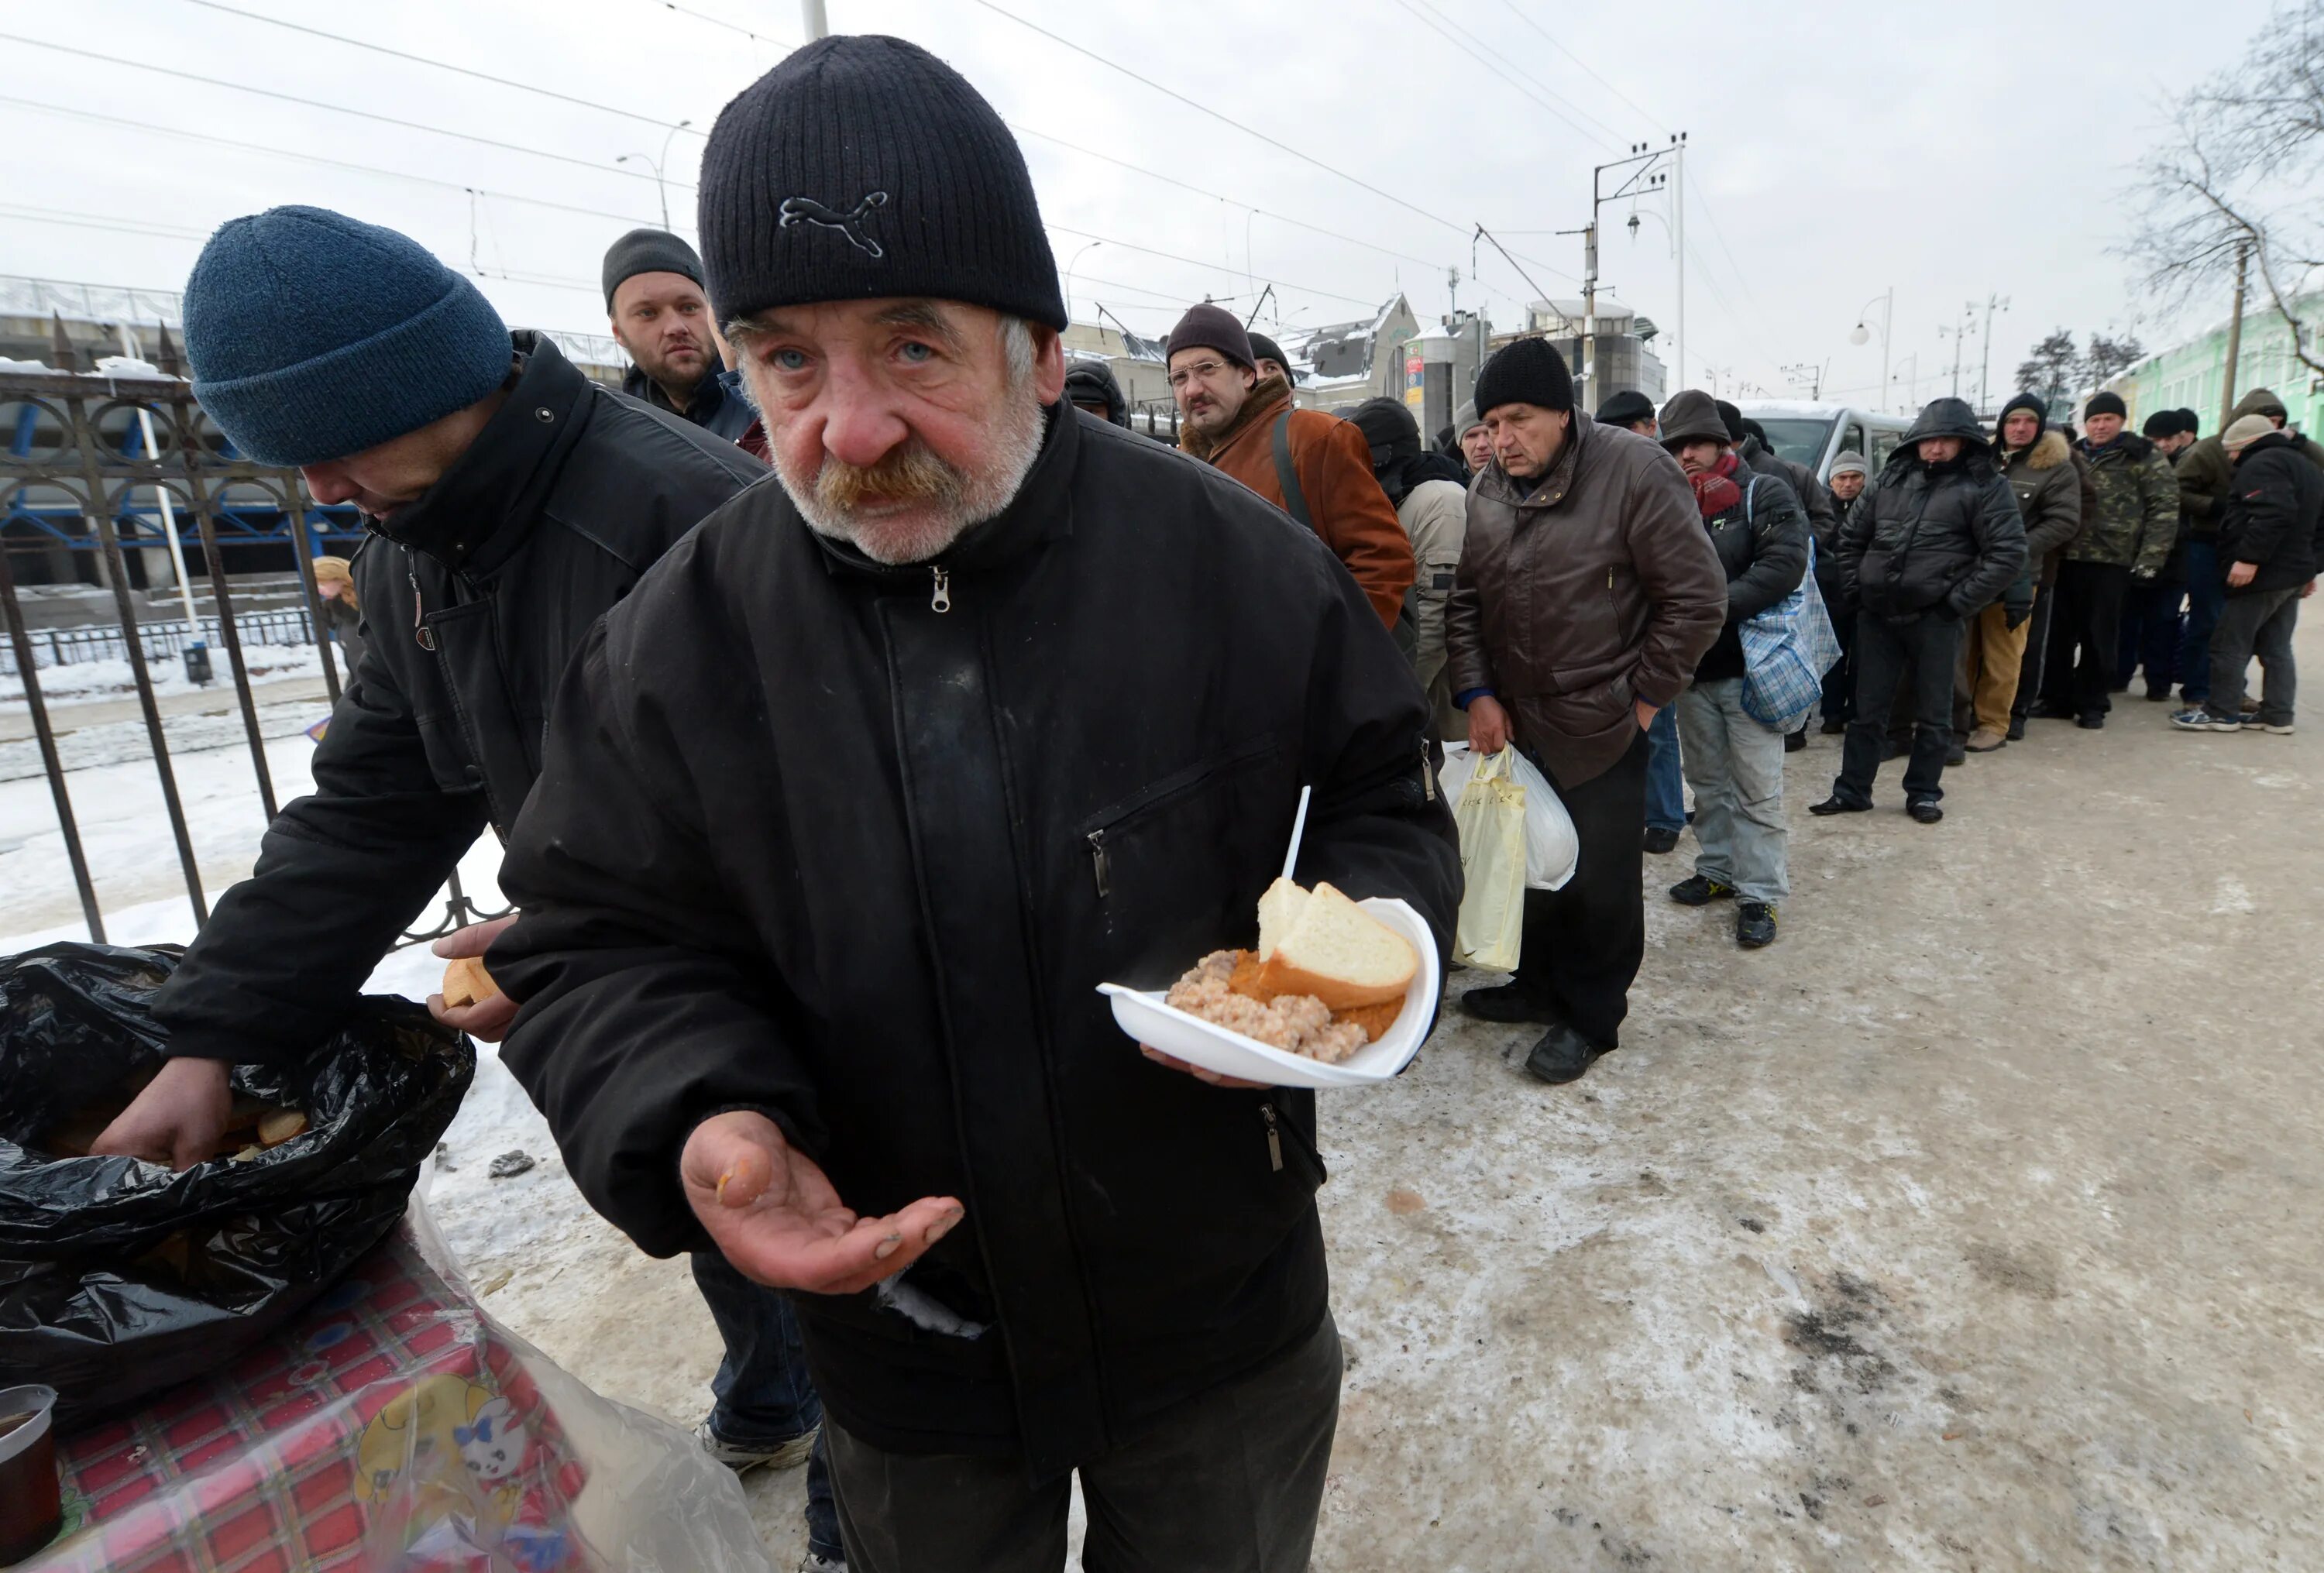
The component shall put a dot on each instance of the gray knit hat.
(1850, 462)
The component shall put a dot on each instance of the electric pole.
(1984, 394)
(1650, 173)
(1959, 334)
(813, 18)
(2235, 339)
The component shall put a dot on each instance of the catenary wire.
(1445, 28)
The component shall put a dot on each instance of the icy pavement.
(1974, 1225)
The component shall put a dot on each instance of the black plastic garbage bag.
(119, 1277)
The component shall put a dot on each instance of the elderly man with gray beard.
(849, 807)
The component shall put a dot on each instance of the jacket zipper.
(940, 598)
(421, 634)
(1097, 862)
(1139, 808)
(1274, 1137)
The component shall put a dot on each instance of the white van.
(1815, 434)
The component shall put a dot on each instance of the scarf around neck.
(1715, 491)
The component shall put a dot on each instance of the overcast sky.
(1953, 151)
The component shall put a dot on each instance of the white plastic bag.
(1552, 849)
(1489, 814)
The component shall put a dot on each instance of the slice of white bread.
(1331, 948)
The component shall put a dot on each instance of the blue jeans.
(2151, 632)
(2206, 593)
(762, 1394)
(1666, 797)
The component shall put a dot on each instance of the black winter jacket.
(1763, 545)
(1946, 538)
(718, 406)
(2272, 516)
(1815, 500)
(474, 596)
(854, 845)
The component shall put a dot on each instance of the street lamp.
(656, 166)
(1069, 277)
(1861, 333)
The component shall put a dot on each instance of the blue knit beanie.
(313, 335)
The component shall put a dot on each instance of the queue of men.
(833, 783)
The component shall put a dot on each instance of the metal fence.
(162, 641)
(97, 478)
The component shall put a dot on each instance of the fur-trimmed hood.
(2048, 451)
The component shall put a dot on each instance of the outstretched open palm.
(772, 1212)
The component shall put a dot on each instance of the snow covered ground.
(87, 682)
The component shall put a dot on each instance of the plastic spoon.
(1298, 828)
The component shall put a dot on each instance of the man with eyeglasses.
(1314, 466)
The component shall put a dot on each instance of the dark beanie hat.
(1732, 417)
(648, 251)
(313, 335)
(2162, 423)
(862, 168)
(2105, 403)
(1691, 416)
(1263, 348)
(1525, 371)
(1389, 428)
(1212, 327)
(1625, 409)
(2189, 422)
(2039, 406)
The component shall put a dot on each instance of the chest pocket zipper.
(1163, 794)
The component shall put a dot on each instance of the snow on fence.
(68, 647)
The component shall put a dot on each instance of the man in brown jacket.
(1316, 467)
(1587, 593)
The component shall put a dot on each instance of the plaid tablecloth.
(391, 1427)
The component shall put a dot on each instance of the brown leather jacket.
(1600, 588)
(1334, 466)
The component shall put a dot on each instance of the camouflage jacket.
(2137, 516)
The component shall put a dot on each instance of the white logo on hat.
(808, 210)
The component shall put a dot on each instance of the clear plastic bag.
(1552, 849)
(396, 1427)
(1489, 814)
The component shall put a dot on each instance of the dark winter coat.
(2207, 475)
(2274, 517)
(1943, 538)
(718, 406)
(1583, 593)
(474, 596)
(854, 845)
(2137, 515)
(1762, 543)
(1816, 504)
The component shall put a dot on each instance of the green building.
(2189, 374)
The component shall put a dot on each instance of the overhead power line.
(382, 49)
(1557, 45)
(1429, 16)
(720, 22)
(334, 109)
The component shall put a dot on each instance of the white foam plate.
(1188, 1037)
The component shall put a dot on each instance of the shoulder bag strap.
(1294, 501)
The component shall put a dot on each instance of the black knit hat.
(1212, 327)
(648, 251)
(2189, 422)
(1525, 371)
(863, 168)
(1263, 348)
(2105, 403)
(1732, 417)
(2162, 423)
(1626, 408)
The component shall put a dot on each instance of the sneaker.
(2278, 729)
(788, 1455)
(1660, 839)
(814, 1564)
(1984, 740)
(1924, 812)
(1755, 924)
(2200, 720)
(1697, 891)
(1507, 1002)
(1836, 803)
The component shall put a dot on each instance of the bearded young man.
(848, 809)
(659, 314)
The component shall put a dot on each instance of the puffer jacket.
(1582, 594)
(1333, 464)
(1762, 542)
(2207, 475)
(1816, 504)
(2049, 492)
(2274, 517)
(1943, 538)
(474, 597)
(2137, 516)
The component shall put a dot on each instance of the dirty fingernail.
(887, 1248)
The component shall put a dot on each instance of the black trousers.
(2085, 631)
(1840, 683)
(1929, 643)
(1583, 944)
(1229, 1482)
(2037, 649)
